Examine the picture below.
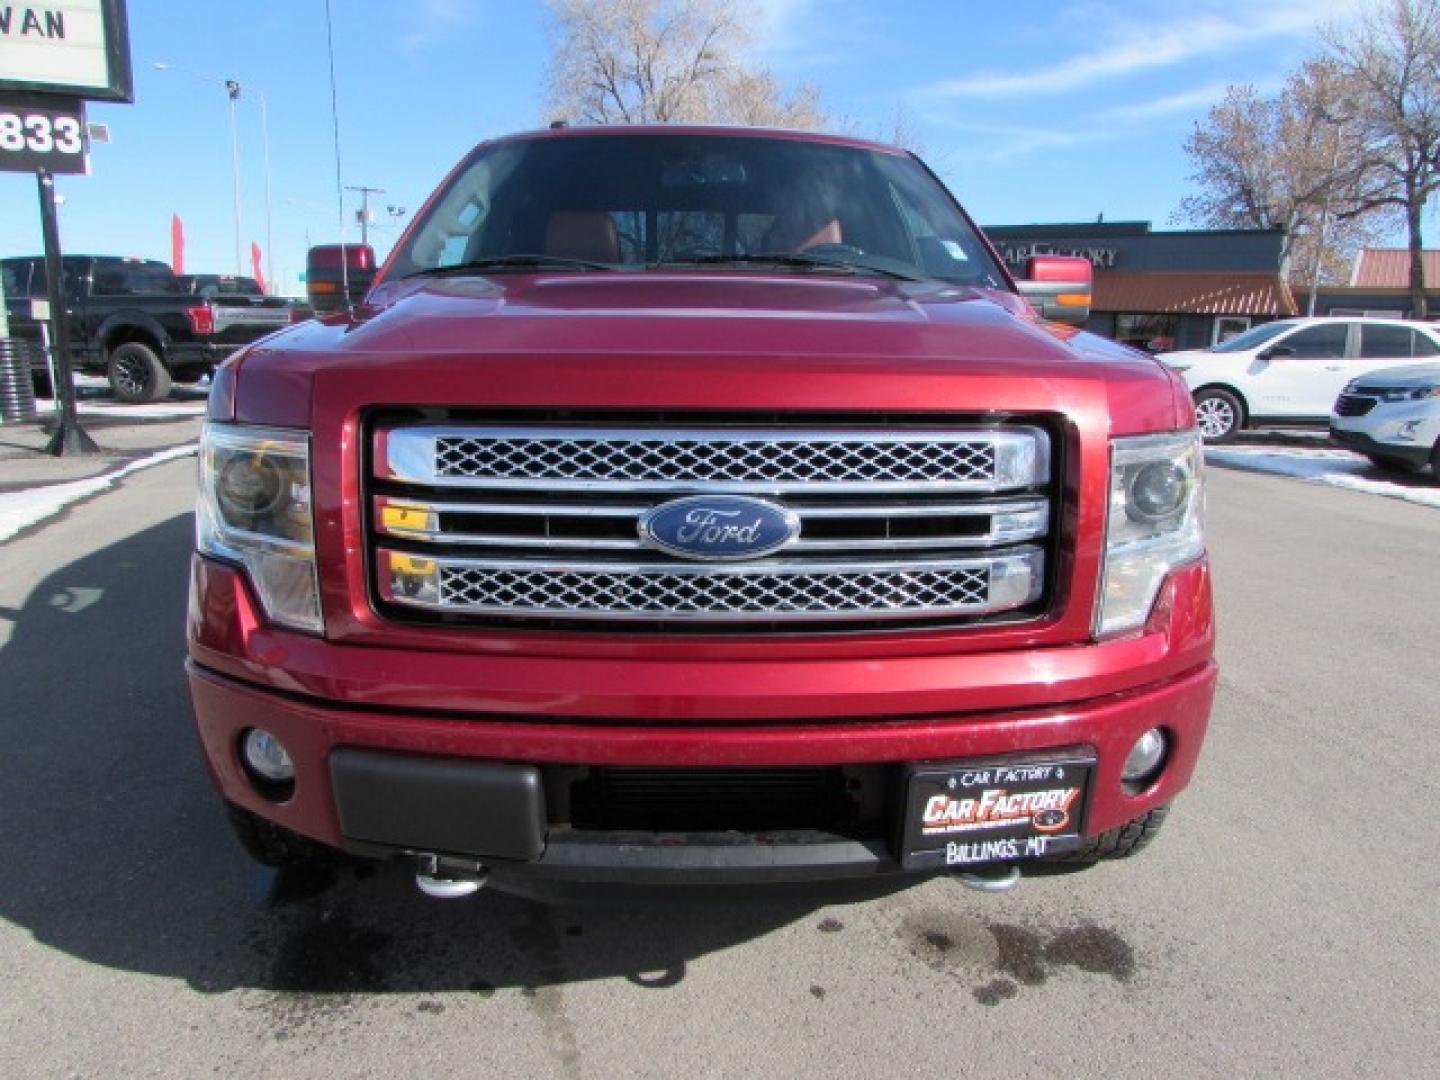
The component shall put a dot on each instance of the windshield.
(638, 201)
(1254, 337)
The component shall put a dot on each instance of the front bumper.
(1402, 430)
(462, 717)
(1364, 443)
(314, 732)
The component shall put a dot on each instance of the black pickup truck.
(133, 321)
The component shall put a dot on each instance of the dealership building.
(1164, 290)
(1193, 288)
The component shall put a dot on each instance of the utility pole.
(363, 214)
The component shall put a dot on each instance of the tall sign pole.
(69, 437)
(53, 58)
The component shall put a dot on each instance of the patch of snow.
(1325, 465)
(22, 509)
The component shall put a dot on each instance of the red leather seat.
(589, 235)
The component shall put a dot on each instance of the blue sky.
(1030, 111)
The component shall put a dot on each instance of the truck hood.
(700, 339)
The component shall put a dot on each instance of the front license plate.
(963, 813)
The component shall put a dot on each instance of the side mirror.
(1275, 351)
(1058, 287)
(330, 267)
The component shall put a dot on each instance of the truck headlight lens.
(1157, 503)
(255, 510)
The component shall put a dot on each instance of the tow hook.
(450, 879)
(1004, 881)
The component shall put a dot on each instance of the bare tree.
(1390, 62)
(657, 61)
(1287, 162)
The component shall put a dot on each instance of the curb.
(20, 511)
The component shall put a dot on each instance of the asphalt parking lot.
(1284, 923)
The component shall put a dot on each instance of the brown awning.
(1192, 293)
(1389, 268)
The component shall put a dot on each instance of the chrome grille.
(526, 522)
(808, 591)
(751, 459)
(634, 460)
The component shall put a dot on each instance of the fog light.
(1145, 757)
(266, 757)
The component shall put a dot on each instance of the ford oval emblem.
(718, 527)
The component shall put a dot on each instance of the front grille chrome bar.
(763, 591)
(751, 460)
(558, 526)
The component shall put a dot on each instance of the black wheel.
(1394, 464)
(1219, 415)
(137, 374)
(273, 845)
(1118, 843)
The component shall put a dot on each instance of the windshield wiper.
(800, 259)
(513, 262)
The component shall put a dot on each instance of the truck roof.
(594, 131)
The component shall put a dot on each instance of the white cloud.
(430, 20)
(1191, 101)
(801, 35)
(1154, 44)
(1001, 142)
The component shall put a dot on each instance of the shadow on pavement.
(114, 848)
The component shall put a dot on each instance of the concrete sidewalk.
(25, 465)
(35, 487)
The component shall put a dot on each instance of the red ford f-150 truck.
(696, 505)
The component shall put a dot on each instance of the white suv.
(1392, 416)
(1292, 371)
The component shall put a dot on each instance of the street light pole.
(269, 215)
(233, 89)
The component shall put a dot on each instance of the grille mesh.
(1354, 406)
(714, 593)
(621, 460)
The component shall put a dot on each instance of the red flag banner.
(177, 244)
(255, 270)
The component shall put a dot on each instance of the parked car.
(1392, 416)
(1291, 371)
(219, 285)
(130, 320)
(700, 505)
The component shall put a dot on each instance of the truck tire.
(271, 844)
(1118, 843)
(1435, 460)
(1219, 415)
(137, 374)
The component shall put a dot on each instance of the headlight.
(255, 510)
(1414, 393)
(1155, 524)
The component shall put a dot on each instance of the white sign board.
(78, 48)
